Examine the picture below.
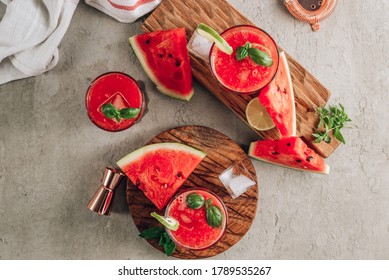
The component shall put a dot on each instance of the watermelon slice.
(165, 59)
(290, 152)
(160, 169)
(278, 99)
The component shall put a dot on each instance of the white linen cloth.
(30, 33)
(126, 11)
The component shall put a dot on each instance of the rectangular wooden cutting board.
(309, 92)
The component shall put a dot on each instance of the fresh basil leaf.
(109, 110)
(214, 216)
(152, 233)
(260, 57)
(241, 53)
(169, 246)
(247, 45)
(195, 201)
(129, 113)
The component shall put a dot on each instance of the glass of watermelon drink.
(244, 76)
(194, 232)
(118, 89)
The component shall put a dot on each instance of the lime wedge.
(169, 223)
(257, 116)
(210, 34)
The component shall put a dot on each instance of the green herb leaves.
(213, 213)
(332, 119)
(168, 245)
(110, 111)
(258, 56)
(164, 240)
(195, 201)
(152, 233)
(243, 51)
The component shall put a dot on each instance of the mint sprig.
(258, 56)
(110, 111)
(331, 119)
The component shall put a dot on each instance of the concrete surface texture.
(52, 156)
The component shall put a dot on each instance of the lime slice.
(169, 223)
(210, 34)
(257, 116)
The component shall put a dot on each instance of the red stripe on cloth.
(130, 8)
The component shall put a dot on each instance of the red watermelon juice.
(119, 89)
(194, 232)
(244, 76)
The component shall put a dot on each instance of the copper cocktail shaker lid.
(311, 11)
(102, 200)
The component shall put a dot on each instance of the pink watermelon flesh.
(165, 58)
(278, 99)
(290, 152)
(159, 170)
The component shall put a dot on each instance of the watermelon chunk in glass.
(290, 152)
(160, 169)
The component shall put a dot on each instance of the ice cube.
(240, 184)
(199, 46)
(236, 179)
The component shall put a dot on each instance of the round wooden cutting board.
(222, 152)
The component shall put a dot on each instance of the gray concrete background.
(52, 156)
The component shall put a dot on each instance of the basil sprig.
(195, 201)
(164, 240)
(110, 111)
(213, 213)
(258, 56)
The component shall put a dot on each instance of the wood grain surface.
(222, 152)
(309, 92)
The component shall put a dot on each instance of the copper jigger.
(102, 200)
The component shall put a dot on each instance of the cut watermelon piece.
(290, 152)
(165, 59)
(160, 169)
(278, 99)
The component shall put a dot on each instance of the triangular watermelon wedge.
(165, 59)
(278, 99)
(160, 169)
(289, 152)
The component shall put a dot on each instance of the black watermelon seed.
(309, 158)
(160, 55)
(274, 153)
(178, 63)
(298, 160)
(288, 144)
(170, 55)
(148, 41)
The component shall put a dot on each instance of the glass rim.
(143, 102)
(168, 231)
(252, 91)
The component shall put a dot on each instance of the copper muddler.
(101, 202)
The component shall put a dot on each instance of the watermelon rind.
(134, 156)
(285, 61)
(251, 154)
(141, 57)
